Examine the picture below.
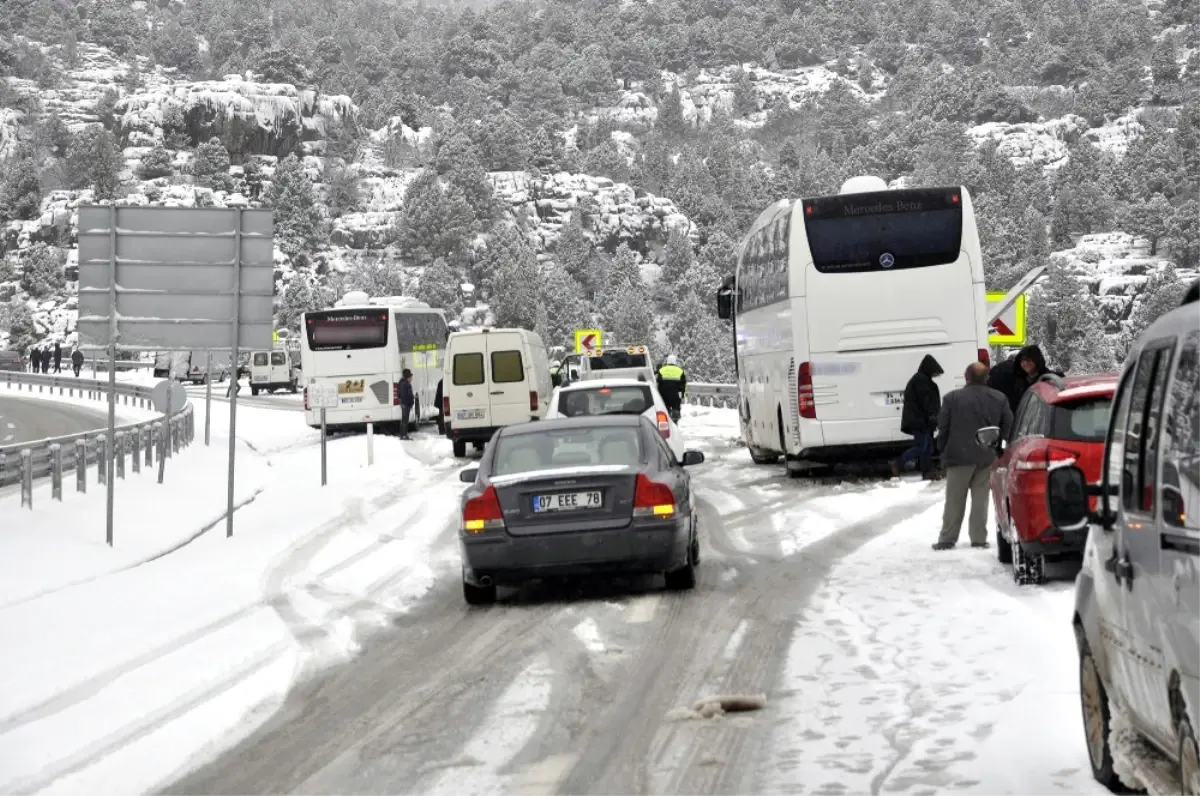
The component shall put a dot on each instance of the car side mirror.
(1067, 498)
(692, 457)
(468, 475)
(988, 437)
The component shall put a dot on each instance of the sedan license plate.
(567, 501)
(468, 414)
(893, 398)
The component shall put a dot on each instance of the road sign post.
(175, 279)
(208, 400)
(588, 340)
(323, 397)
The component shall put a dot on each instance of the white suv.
(617, 396)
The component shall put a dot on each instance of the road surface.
(28, 419)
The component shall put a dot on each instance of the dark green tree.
(20, 188)
(435, 221)
(211, 166)
(156, 163)
(299, 226)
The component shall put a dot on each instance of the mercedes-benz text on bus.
(835, 301)
(362, 346)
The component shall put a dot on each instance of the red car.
(1058, 420)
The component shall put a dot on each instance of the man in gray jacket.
(967, 463)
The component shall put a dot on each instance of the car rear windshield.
(565, 448)
(611, 360)
(468, 369)
(884, 230)
(1081, 421)
(628, 399)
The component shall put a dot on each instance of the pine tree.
(624, 271)
(41, 271)
(174, 127)
(508, 147)
(1067, 327)
(211, 166)
(510, 272)
(1147, 219)
(20, 188)
(542, 151)
(300, 296)
(670, 122)
(676, 260)
(1161, 293)
(156, 163)
(562, 305)
(376, 276)
(95, 161)
(23, 332)
(702, 341)
(1183, 234)
(299, 227)
(439, 287)
(435, 221)
(745, 98)
(458, 160)
(573, 251)
(606, 160)
(627, 315)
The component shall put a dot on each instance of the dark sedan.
(12, 360)
(577, 496)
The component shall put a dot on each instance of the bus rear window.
(346, 330)
(468, 369)
(884, 231)
(610, 360)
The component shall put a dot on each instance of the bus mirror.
(724, 305)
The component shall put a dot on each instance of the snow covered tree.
(1064, 322)
(376, 276)
(1162, 293)
(1147, 219)
(458, 160)
(624, 270)
(281, 65)
(300, 296)
(439, 287)
(94, 160)
(670, 122)
(299, 227)
(156, 163)
(435, 221)
(176, 48)
(41, 271)
(22, 329)
(701, 340)
(1183, 234)
(506, 144)
(561, 305)
(627, 315)
(676, 260)
(510, 271)
(344, 193)
(606, 160)
(211, 166)
(574, 252)
(174, 127)
(542, 154)
(20, 187)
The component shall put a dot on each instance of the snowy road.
(28, 419)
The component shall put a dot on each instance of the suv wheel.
(1027, 569)
(1189, 760)
(1093, 699)
(684, 578)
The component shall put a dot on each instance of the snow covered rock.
(1045, 143)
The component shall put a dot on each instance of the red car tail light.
(804, 392)
(664, 424)
(1047, 457)
(483, 513)
(652, 499)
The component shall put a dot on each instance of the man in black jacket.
(437, 399)
(919, 417)
(968, 464)
(407, 400)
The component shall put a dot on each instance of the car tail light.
(804, 392)
(664, 425)
(652, 499)
(985, 356)
(306, 406)
(533, 401)
(446, 407)
(483, 513)
(1047, 458)
(395, 393)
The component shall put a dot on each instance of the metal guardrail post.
(27, 478)
(135, 450)
(81, 465)
(120, 454)
(3, 466)
(148, 443)
(101, 460)
(177, 436)
(56, 471)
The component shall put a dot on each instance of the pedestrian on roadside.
(46, 359)
(441, 418)
(919, 417)
(407, 399)
(35, 359)
(672, 386)
(57, 357)
(967, 463)
(76, 361)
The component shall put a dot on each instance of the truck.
(617, 362)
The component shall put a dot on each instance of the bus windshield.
(347, 330)
(888, 230)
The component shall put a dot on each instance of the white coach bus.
(361, 346)
(835, 302)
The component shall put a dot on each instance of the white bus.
(361, 346)
(835, 301)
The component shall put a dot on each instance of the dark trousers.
(76, 368)
(405, 414)
(922, 450)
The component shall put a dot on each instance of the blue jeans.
(922, 449)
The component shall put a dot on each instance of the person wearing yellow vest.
(556, 373)
(672, 386)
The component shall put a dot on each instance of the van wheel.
(460, 448)
(1093, 700)
(1189, 759)
(253, 390)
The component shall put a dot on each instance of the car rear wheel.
(684, 578)
(479, 595)
(1027, 569)
(1189, 760)
(1096, 720)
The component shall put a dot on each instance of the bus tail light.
(664, 424)
(306, 406)
(483, 513)
(534, 402)
(395, 393)
(804, 392)
(985, 356)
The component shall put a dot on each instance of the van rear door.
(509, 379)
(467, 388)
(280, 372)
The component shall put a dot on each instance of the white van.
(493, 378)
(273, 370)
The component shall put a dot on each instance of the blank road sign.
(1009, 328)
(177, 269)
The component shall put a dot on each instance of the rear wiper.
(622, 412)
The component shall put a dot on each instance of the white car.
(617, 396)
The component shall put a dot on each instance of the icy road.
(343, 659)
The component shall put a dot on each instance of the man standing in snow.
(919, 416)
(672, 386)
(57, 357)
(407, 399)
(967, 463)
(76, 361)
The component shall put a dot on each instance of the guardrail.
(706, 394)
(27, 462)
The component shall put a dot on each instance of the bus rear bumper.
(846, 441)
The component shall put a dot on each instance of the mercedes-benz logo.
(887, 260)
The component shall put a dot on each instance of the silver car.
(575, 496)
(1137, 598)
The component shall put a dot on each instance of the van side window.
(1114, 455)
(1180, 486)
(507, 367)
(1138, 474)
(468, 369)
